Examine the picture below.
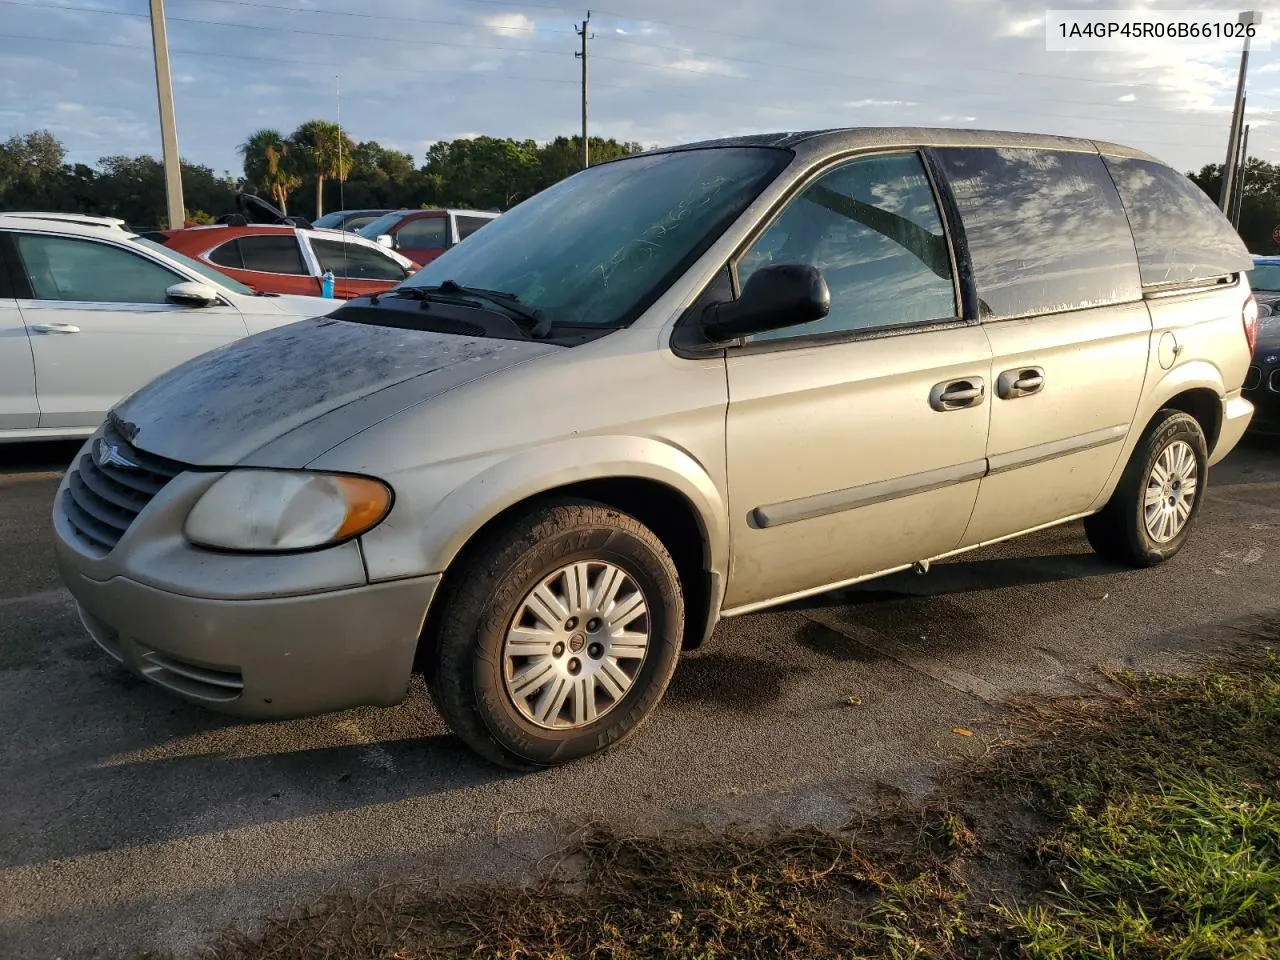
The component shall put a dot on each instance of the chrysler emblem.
(107, 454)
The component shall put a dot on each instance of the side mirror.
(785, 295)
(191, 294)
(384, 240)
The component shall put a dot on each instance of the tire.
(1120, 531)
(473, 670)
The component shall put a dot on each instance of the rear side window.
(1180, 233)
(1045, 228)
(227, 255)
(469, 225)
(272, 255)
(354, 262)
(425, 233)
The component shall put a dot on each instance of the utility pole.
(1244, 160)
(1249, 17)
(583, 33)
(168, 121)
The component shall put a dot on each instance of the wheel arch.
(661, 485)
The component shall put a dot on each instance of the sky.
(412, 72)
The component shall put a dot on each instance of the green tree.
(562, 157)
(483, 172)
(267, 165)
(325, 152)
(1260, 206)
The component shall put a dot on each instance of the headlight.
(278, 510)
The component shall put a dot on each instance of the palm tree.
(328, 154)
(267, 166)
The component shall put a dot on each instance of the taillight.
(1250, 317)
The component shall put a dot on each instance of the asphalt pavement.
(130, 820)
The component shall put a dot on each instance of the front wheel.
(558, 636)
(1149, 516)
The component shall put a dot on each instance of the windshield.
(330, 220)
(1265, 276)
(372, 231)
(195, 266)
(598, 248)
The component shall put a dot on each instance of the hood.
(297, 305)
(222, 406)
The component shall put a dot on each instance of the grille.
(204, 683)
(1274, 381)
(1253, 379)
(102, 500)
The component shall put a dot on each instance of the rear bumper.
(276, 658)
(1237, 412)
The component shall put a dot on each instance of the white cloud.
(69, 107)
(509, 24)
(1021, 28)
(871, 102)
(1128, 98)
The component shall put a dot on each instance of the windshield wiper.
(509, 302)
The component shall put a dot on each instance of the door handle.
(957, 394)
(1022, 382)
(55, 328)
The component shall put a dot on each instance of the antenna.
(337, 86)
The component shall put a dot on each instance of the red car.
(273, 258)
(422, 235)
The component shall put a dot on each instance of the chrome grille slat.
(102, 501)
(1253, 378)
(101, 510)
(1274, 381)
(123, 497)
(92, 530)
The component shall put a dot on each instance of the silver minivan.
(680, 386)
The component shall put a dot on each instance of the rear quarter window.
(1045, 228)
(1180, 233)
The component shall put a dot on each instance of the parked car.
(90, 311)
(349, 220)
(422, 235)
(1262, 383)
(675, 387)
(286, 259)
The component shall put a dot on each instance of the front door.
(855, 443)
(1057, 276)
(101, 326)
(358, 270)
(18, 407)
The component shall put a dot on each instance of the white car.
(89, 312)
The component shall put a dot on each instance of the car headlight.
(278, 510)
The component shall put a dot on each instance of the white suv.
(90, 311)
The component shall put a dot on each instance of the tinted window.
(469, 225)
(1265, 277)
(1180, 233)
(600, 246)
(355, 262)
(1046, 229)
(425, 233)
(227, 255)
(872, 228)
(272, 254)
(64, 268)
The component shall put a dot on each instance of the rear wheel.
(1148, 518)
(559, 637)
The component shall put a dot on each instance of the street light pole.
(1249, 17)
(168, 121)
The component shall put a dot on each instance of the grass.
(1141, 823)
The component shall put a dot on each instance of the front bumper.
(277, 658)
